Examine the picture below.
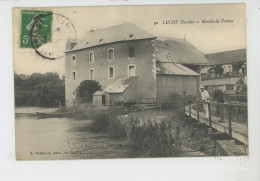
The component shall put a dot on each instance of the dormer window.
(110, 54)
(131, 35)
(91, 57)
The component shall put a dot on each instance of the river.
(62, 138)
(67, 138)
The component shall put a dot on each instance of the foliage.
(116, 129)
(100, 122)
(86, 90)
(218, 69)
(45, 90)
(108, 121)
(160, 139)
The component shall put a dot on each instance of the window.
(91, 74)
(111, 72)
(74, 75)
(131, 52)
(91, 57)
(110, 54)
(131, 70)
(73, 58)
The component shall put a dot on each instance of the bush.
(116, 129)
(100, 122)
(86, 90)
(159, 139)
(108, 121)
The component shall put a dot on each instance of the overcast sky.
(209, 38)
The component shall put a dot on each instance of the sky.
(207, 37)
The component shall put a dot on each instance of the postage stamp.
(35, 28)
(45, 32)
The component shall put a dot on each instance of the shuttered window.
(131, 52)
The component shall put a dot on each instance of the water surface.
(62, 138)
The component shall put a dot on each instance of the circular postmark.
(49, 39)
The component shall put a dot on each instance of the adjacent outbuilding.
(101, 98)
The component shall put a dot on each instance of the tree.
(86, 90)
(45, 90)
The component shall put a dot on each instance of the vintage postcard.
(130, 81)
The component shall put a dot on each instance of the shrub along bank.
(156, 138)
(159, 139)
(108, 121)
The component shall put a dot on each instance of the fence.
(229, 111)
(210, 76)
(236, 97)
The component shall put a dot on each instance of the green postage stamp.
(35, 28)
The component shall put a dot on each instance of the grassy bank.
(103, 120)
(149, 133)
(160, 138)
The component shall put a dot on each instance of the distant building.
(232, 63)
(131, 64)
(228, 85)
(226, 70)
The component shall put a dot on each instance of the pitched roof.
(122, 32)
(227, 57)
(173, 69)
(227, 81)
(120, 85)
(178, 51)
(97, 93)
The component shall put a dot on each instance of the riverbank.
(71, 138)
(194, 143)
